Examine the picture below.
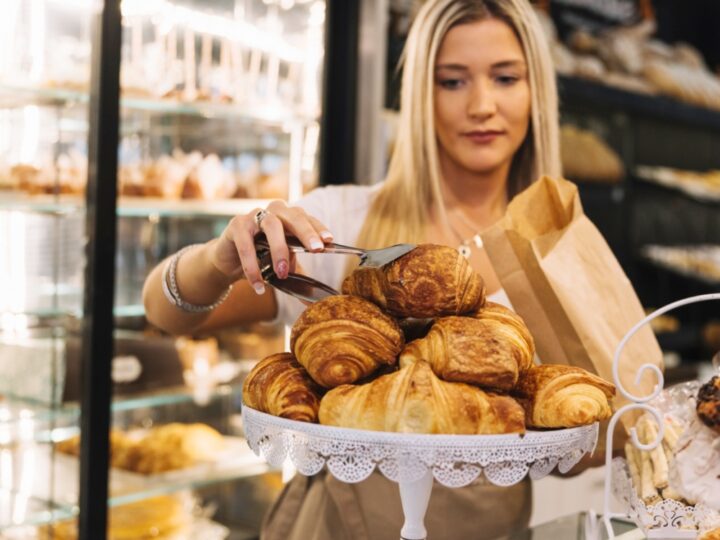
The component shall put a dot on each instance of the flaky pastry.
(429, 281)
(280, 386)
(415, 400)
(559, 396)
(342, 339)
(484, 351)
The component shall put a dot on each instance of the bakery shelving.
(36, 502)
(671, 110)
(702, 187)
(17, 201)
(15, 96)
(700, 262)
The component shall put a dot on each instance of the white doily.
(351, 455)
(667, 519)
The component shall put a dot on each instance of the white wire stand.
(668, 519)
(413, 461)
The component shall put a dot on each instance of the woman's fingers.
(243, 230)
(237, 245)
(311, 232)
(279, 252)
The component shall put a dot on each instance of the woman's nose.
(482, 102)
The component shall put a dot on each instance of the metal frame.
(340, 81)
(98, 323)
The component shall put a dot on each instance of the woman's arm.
(203, 273)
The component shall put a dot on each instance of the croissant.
(708, 403)
(278, 385)
(485, 351)
(559, 396)
(342, 339)
(414, 400)
(514, 325)
(429, 281)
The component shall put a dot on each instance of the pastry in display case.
(219, 113)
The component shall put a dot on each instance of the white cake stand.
(668, 519)
(412, 461)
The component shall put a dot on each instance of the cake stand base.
(415, 497)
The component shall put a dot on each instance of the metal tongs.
(312, 290)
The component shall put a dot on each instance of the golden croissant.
(415, 400)
(485, 351)
(559, 396)
(342, 339)
(278, 385)
(429, 281)
(513, 323)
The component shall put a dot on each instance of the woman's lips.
(482, 137)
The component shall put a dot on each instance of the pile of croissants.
(414, 347)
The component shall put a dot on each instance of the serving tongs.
(312, 290)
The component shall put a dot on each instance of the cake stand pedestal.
(414, 461)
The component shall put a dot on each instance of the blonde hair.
(401, 208)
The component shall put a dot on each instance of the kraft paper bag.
(564, 281)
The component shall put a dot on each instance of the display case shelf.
(271, 115)
(671, 110)
(707, 194)
(18, 201)
(58, 423)
(26, 508)
(687, 273)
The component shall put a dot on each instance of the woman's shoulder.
(339, 198)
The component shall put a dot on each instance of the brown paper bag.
(564, 281)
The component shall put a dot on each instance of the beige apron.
(323, 508)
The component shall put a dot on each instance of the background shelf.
(272, 115)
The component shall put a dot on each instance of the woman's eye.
(506, 80)
(450, 84)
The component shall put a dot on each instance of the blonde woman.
(478, 124)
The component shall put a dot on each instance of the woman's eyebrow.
(509, 63)
(456, 67)
(463, 67)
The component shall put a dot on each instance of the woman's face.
(482, 96)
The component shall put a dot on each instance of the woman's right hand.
(234, 254)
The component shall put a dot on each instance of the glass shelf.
(18, 510)
(17, 201)
(273, 115)
(31, 507)
(60, 422)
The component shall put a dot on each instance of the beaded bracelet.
(172, 293)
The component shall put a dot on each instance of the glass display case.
(220, 106)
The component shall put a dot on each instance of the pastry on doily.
(486, 351)
(429, 281)
(415, 400)
(559, 396)
(278, 385)
(342, 339)
(708, 405)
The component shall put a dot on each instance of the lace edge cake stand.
(664, 520)
(412, 460)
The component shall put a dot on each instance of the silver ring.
(259, 216)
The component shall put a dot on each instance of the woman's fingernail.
(327, 236)
(316, 243)
(259, 287)
(282, 269)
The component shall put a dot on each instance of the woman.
(478, 124)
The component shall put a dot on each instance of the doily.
(351, 455)
(667, 519)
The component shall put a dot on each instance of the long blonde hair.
(401, 208)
